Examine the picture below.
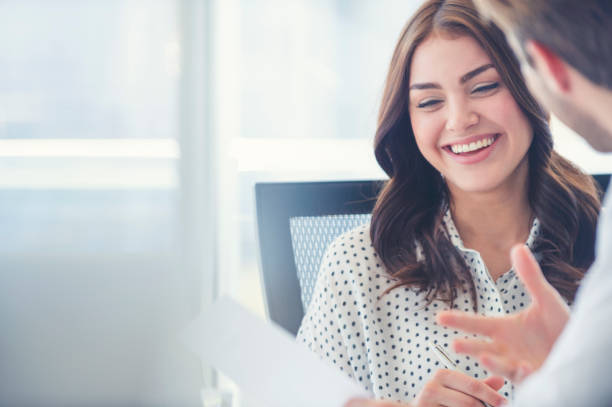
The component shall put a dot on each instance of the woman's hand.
(520, 342)
(448, 388)
(451, 388)
(375, 403)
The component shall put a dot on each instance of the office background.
(131, 135)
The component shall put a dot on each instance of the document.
(265, 361)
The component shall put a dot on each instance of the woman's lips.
(475, 156)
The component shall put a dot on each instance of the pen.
(447, 362)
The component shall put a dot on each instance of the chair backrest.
(603, 180)
(296, 222)
(281, 205)
(310, 236)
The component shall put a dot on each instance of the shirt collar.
(453, 233)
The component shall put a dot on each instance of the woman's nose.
(460, 117)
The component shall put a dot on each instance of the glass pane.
(88, 118)
(90, 284)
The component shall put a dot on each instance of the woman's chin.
(474, 186)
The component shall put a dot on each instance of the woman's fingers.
(443, 396)
(374, 403)
(447, 388)
(494, 382)
(467, 385)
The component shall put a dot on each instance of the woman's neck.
(496, 219)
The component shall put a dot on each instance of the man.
(565, 48)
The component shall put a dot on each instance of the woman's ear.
(550, 67)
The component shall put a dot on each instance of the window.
(96, 186)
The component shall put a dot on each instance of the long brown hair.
(410, 207)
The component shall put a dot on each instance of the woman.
(472, 172)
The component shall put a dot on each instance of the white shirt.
(578, 371)
(382, 340)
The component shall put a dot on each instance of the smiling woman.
(472, 173)
(465, 74)
(465, 120)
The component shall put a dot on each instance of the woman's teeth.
(466, 148)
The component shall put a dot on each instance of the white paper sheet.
(265, 361)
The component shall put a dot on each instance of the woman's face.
(465, 121)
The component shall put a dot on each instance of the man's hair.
(578, 31)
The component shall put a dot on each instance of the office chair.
(604, 181)
(296, 222)
(283, 206)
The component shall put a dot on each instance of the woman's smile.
(474, 149)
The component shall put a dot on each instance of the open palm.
(519, 343)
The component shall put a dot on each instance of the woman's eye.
(428, 103)
(486, 88)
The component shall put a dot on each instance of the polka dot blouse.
(382, 340)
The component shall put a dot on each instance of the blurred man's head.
(565, 48)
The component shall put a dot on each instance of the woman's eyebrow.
(464, 78)
(475, 72)
(428, 85)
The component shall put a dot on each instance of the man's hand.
(520, 342)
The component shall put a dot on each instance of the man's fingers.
(475, 347)
(522, 372)
(468, 322)
(528, 270)
(500, 365)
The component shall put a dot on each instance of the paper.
(265, 361)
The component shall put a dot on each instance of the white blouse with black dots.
(382, 340)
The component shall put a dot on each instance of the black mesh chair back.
(310, 237)
(317, 212)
